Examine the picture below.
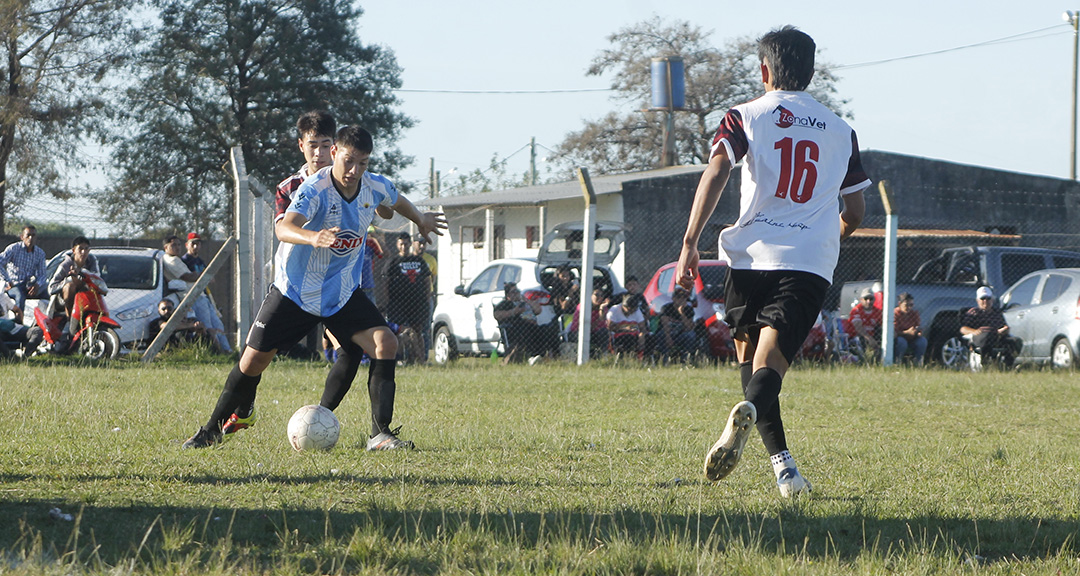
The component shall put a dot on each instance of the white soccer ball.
(313, 427)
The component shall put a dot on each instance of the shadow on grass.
(114, 533)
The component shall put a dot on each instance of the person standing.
(798, 159)
(408, 284)
(317, 279)
(22, 264)
(419, 248)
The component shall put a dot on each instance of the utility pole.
(433, 182)
(532, 161)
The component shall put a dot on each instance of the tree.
(224, 73)
(57, 55)
(716, 80)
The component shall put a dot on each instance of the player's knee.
(386, 343)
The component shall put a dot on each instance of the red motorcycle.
(96, 336)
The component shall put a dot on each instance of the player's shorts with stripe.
(787, 300)
(281, 323)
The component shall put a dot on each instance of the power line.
(1007, 39)
(553, 91)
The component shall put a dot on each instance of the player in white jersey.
(321, 235)
(798, 160)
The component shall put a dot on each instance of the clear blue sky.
(1004, 105)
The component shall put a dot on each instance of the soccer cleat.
(202, 439)
(725, 454)
(389, 441)
(791, 483)
(235, 423)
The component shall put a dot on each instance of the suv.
(464, 324)
(136, 282)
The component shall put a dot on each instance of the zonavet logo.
(786, 119)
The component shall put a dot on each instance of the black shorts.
(281, 323)
(787, 300)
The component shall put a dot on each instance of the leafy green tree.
(716, 80)
(223, 73)
(55, 59)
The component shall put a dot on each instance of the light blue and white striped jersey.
(321, 280)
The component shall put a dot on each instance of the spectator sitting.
(176, 269)
(629, 330)
(633, 286)
(517, 321)
(988, 331)
(12, 331)
(564, 291)
(864, 322)
(909, 336)
(67, 280)
(188, 330)
(598, 332)
(677, 334)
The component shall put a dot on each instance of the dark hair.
(30, 227)
(631, 278)
(789, 53)
(80, 240)
(404, 236)
(507, 287)
(169, 239)
(356, 138)
(317, 122)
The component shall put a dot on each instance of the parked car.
(945, 285)
(464, 324)
(707, 297)
(1043, 310)
(136, 282)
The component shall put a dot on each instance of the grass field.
(546, 469)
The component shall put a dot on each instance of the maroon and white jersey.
(799, 158)
(286, 192)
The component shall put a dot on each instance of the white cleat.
(725, 454)
(791, 483)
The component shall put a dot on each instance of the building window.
(532, 237)
(475, 234)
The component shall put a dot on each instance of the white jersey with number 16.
(799, 159)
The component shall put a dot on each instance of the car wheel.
(1061, 355)
(445, 347)
(954, 353)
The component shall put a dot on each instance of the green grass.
(546, 469)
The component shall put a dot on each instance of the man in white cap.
(865, 322)
(988, 330)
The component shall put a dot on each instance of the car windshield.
(128, 271)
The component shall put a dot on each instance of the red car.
(708, 298)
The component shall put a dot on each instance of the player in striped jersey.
(799, 158)
(318, 280)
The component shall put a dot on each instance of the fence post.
(888, 296)
(244, 245)
(588, 235)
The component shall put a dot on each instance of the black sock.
(237, 396)
(381, 390)
(763, 391)
(746, 371)
(341, 376)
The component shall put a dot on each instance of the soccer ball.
(313, 427)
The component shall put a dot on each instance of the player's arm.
(291, 229)
(852, 214)
(385, 212)
(426, 222)
(709, 189)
